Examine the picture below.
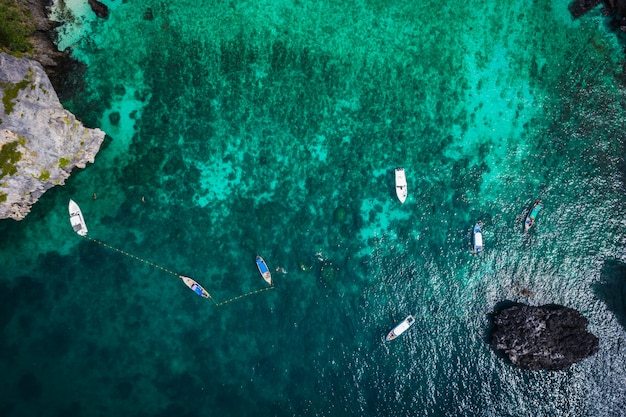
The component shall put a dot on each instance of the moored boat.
(401, 328)
(478, 239)
(76, 219)
(194, 286)
(264, 270)
(401, 190)
(530, 219)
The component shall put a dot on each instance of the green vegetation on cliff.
(9, 156)
(10, 94)
(16, 25)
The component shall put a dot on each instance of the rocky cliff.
(40, 141)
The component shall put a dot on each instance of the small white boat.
(401, 190)
(76, 219)
(194, 286)
(264, 270)
(478, 239)
(401, 328)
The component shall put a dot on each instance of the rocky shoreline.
(40, 141)
(45, 52)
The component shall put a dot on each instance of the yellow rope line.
(130, 255)
(230, 300)
(137, 258)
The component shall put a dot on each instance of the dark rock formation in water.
(579, 7)
(44, 49)
(616, 9)
(56, 63)
(100, 9)
(549, 337)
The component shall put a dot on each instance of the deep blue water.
(274, 128)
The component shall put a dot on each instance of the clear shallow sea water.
(273, 128)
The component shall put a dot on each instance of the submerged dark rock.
(549, 337)
(114, 118)
(148, 14)
(100, 9)
(579, 7)
(614, 9)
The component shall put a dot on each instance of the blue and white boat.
(194, 286)
(264, 270)
(478, 239)
(530, 219)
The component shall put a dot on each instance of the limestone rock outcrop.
(548, 337)
(40, 141)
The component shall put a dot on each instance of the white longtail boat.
(194, 286)
(401, 328)
(76, 219)
(264, 270)
(401, 190)
(478, 239)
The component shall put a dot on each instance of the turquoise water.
(273, 128)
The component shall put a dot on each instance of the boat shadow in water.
(611, 288)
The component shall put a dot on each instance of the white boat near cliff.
(76, 219)
(401, 328)
(401, 190)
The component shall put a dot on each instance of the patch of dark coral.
(579, 7)
(148, 14)
(100, 9)
(549, 337)
(613, 9)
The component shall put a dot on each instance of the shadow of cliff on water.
(611, 289)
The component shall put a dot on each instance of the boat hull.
(530, 219)
(264, 270)
(194, 286)
(528, 224)
(76, 219)
(401, 328)
(401, 186)
(478, 239)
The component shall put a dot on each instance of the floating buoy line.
(80, 227)
(176, 274)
